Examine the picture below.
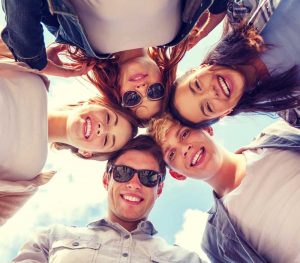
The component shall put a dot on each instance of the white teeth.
(88, 128)
(224, 86)
(131, 198)
(197, 156)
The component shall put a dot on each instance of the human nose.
(141, 85)
(101, 129)
(134, 183)
(185, 150)
(142, 89)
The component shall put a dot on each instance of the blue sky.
(75, 196)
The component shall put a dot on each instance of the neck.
(57, 123)
(230, 174)
(128, 225)
(133, 53)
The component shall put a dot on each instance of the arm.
(23, 33)
(201, 29)
(35, 250)
(60, 67)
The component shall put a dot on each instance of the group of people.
(130, 53)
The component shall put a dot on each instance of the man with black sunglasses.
(134, 180)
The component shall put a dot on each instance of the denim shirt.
(102, 241)
(222, 241)
(23, 33)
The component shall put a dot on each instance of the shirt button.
(125, 255)
(126, 237)
(75, 243)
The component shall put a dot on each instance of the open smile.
(224, 86)
(87, 128)
(198, 158)
(132, 199)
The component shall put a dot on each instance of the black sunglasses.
(123, 174)
(133, 98)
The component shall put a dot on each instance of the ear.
(159, 189)
(105, 180)
(209, 130)
(85, 154)
(177, 176)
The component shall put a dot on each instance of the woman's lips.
(224, 86)
(137, 77)
(87, 128)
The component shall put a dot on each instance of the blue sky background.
(75, 196)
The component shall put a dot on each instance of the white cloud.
(190, 236)
(69, 90)
(68, 197)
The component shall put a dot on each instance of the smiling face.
(138, 74)
(208, 92)
(131, 201)
(191, 152)
(96, 129)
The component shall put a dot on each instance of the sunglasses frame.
(113, 167)
(141, 96)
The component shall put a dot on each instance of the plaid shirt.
(252, 12)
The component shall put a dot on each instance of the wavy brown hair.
(107, 104)
(104, 74)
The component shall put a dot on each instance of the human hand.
(58, 67)
(194, 37)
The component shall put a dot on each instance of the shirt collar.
(144, 227)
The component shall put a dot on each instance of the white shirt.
(266, 205)
(116, 25)
(24, 124)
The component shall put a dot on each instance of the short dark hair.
(141, 143)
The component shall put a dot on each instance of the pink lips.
(201, 159)
(87, 128)
(137, 77)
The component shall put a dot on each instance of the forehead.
(138, 160)
(170, 136)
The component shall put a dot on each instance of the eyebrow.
(113, 141)
(203, 111)
(191, 89)
(169, 146)
(177, 132)
(117, 119)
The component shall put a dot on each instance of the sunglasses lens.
(149, 178)
(131, 98)
(156, 91)
(122, 174)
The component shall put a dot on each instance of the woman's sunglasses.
(133, 98)
(123, 174)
